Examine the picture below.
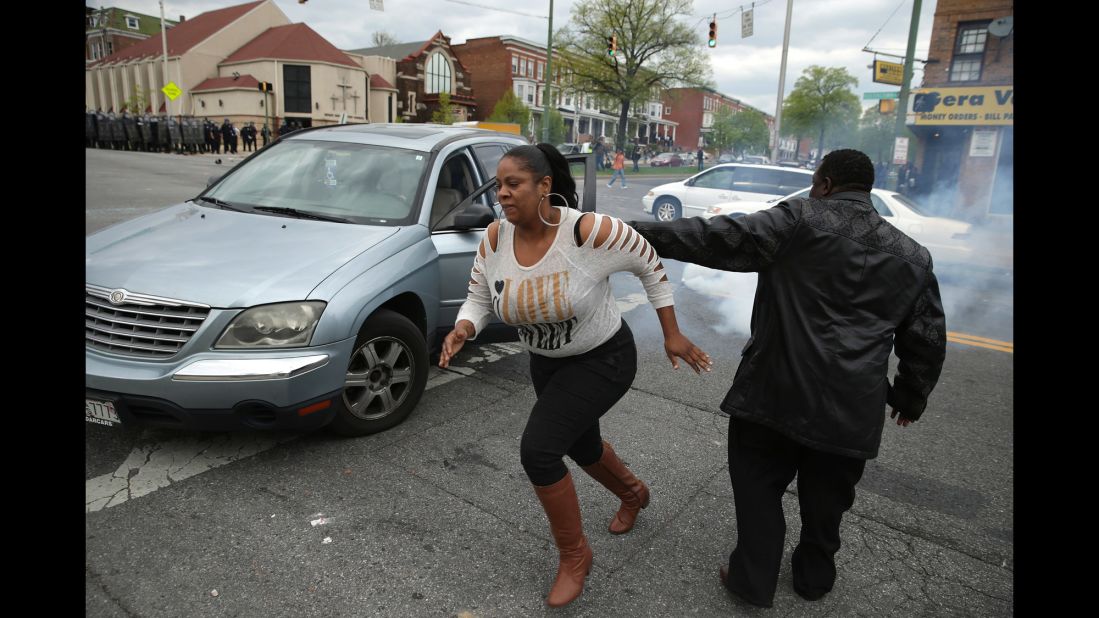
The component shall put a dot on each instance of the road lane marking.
(157, 465)
(981, 342)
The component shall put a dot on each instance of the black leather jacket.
(839, 288)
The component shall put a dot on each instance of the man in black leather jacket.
(839, 289)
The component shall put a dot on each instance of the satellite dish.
(1001, 27)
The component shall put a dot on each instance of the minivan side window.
(489, 155)
(792, 181)
(756, 180)
(456, 182)
(720, 178)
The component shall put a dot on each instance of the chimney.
(182, 18)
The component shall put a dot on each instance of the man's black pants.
(573, 393)
(762, 462)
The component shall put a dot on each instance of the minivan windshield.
(354, 182)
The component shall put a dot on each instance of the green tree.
(137, 102)
(556, 127)
(876, 135)
(510, 109)
(822, 101)
(445, 113)
(722, 132)
(655, 48)
(750, 134)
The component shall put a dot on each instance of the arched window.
(438, 74)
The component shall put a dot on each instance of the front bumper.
(223, 390)
(647, 204)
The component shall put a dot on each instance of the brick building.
(693, 109)
(113, 29)
(217, 60)
(426, 69)
(502, 63)
(963, 113)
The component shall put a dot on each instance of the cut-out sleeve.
(621, 248)
(478, 306)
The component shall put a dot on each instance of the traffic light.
(713, 33)
(265, 87)
(887, 106)
(612, 45)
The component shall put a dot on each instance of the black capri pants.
(573, 393)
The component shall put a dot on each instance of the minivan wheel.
(385, 377)
(666, 209)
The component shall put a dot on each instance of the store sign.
(900, 151)
(983, 143)
(989, 105)
(888, 72)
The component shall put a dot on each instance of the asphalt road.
(435, 517)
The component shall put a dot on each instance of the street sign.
(172, 90)
(873, 96)
(900, 151)
(746, 24)
(888, 72)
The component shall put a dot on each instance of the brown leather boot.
(615, 476)
(563, 511)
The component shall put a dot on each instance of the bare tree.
(381, 38)
(655, 50)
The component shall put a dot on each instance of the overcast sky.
(830, 33)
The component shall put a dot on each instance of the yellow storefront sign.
(888, 72)
(988, 105)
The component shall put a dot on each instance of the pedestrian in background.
(583, 358)
(839, 289)
(636, 156)
(600, 153)
(619, 167)
(265, 133)
(700, 155)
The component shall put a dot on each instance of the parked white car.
(948, 240)
(722, 183)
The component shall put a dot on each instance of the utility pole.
(782, 82)
(164, 41)
(549, 78)
(902, 104)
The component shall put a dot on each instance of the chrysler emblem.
(117, 297)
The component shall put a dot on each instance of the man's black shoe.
(724, 573)
(810, 596)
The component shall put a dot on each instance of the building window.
(667, 110)
(297, 90)
(530, 68)
(530, 95)
(515, 65)
(110, 48)
(438, 74)
(131, 23)
(969, 51)
(412, 103)
(541, 69)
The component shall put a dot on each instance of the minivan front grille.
(123, 322)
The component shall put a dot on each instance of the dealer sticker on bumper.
(101, 412)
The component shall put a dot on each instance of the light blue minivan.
(306, 287)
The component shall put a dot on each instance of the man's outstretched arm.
(744, 244)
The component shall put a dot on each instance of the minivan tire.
(386, 376)
(667, 209)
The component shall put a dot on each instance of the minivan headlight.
(284, 325)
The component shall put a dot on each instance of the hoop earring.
(551, 206)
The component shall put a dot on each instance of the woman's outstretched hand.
(677, 345)
(454, 341)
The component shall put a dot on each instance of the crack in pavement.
(98, 580)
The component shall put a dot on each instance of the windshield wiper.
(301, 214)
(215, 201)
